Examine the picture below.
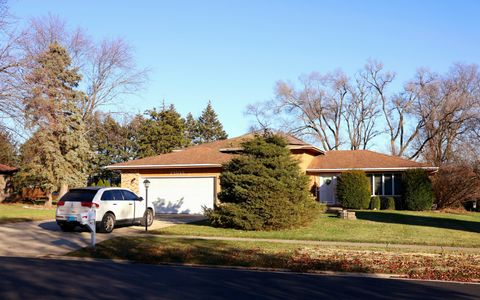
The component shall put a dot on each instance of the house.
(186, 180)
(6, 186)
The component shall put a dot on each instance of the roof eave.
(433, 169)
(154, 166)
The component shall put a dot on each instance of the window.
(117, 194)
(397, 182)
(107, 195)
(388, 184)
(79, 195)
(378, 184)
(127, 195)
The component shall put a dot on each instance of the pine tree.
(111, 144)
(56, 155)
(8, 151)
(191, 128)
(263, 189)
(161, 132)
(209, 128)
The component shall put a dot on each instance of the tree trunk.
(49, 201)
(63, 190)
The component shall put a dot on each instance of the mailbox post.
(146, 183)
(89, 220)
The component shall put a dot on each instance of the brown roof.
(211, 154)
(360, 159)
(7, 169)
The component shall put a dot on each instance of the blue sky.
(233, 52)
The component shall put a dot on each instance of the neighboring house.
(186, 180)
(6, 186)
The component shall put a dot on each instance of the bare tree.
(361, 114)
(110, 73)
(453, 105)
(108, 68)
(10, 72)
(317, 108)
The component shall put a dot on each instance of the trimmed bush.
(375, 203)
(263, 189)
(418, 192)
(353, 190)
(388, 203)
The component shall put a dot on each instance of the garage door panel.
(184, 195)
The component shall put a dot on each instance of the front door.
(328, 185)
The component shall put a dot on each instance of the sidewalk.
(324, 243)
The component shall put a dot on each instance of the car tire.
(107, 224)
(67, 227)
(149, 218)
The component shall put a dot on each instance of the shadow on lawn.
(215, 253)
(385, 217)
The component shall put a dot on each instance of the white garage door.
(180, 195)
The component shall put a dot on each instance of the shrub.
(455, 185)
(388, 203)
(263, 189)
(417, 187)
(353, 190)
(375, 203)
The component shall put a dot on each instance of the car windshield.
(79, 195)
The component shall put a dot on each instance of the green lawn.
(20, 213)
(395, 227)
(449, 265)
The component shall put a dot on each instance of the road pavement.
(33, 278)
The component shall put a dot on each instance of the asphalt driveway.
(44, 238)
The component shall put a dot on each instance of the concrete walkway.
(44, 238)
(325, 243)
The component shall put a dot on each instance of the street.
(34, 278)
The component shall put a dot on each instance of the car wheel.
(149, 215)
(108, 223)
(67, 227)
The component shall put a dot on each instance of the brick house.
(186, 180)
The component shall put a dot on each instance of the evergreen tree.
(110, 142)
(57, 154)
(209, 128)
(191, 128)
(161, 132)
(8, 151)
(263, 189)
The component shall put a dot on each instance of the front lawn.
(21, 213)
(394, 227)
(303, 258)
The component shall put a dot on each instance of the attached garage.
(180, 195)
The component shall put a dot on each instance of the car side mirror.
(140, 199)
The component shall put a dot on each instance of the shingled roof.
(367, 160)
(207, 155)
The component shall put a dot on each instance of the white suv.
(115, 206)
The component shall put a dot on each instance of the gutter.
(126, 167)
(434, 169)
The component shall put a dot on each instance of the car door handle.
(114, 203)
(130, 204)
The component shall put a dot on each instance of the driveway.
(44, 238)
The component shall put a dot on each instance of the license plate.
(71, 218)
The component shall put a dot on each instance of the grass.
(448, 265)
(10, 213)
(393, 227)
